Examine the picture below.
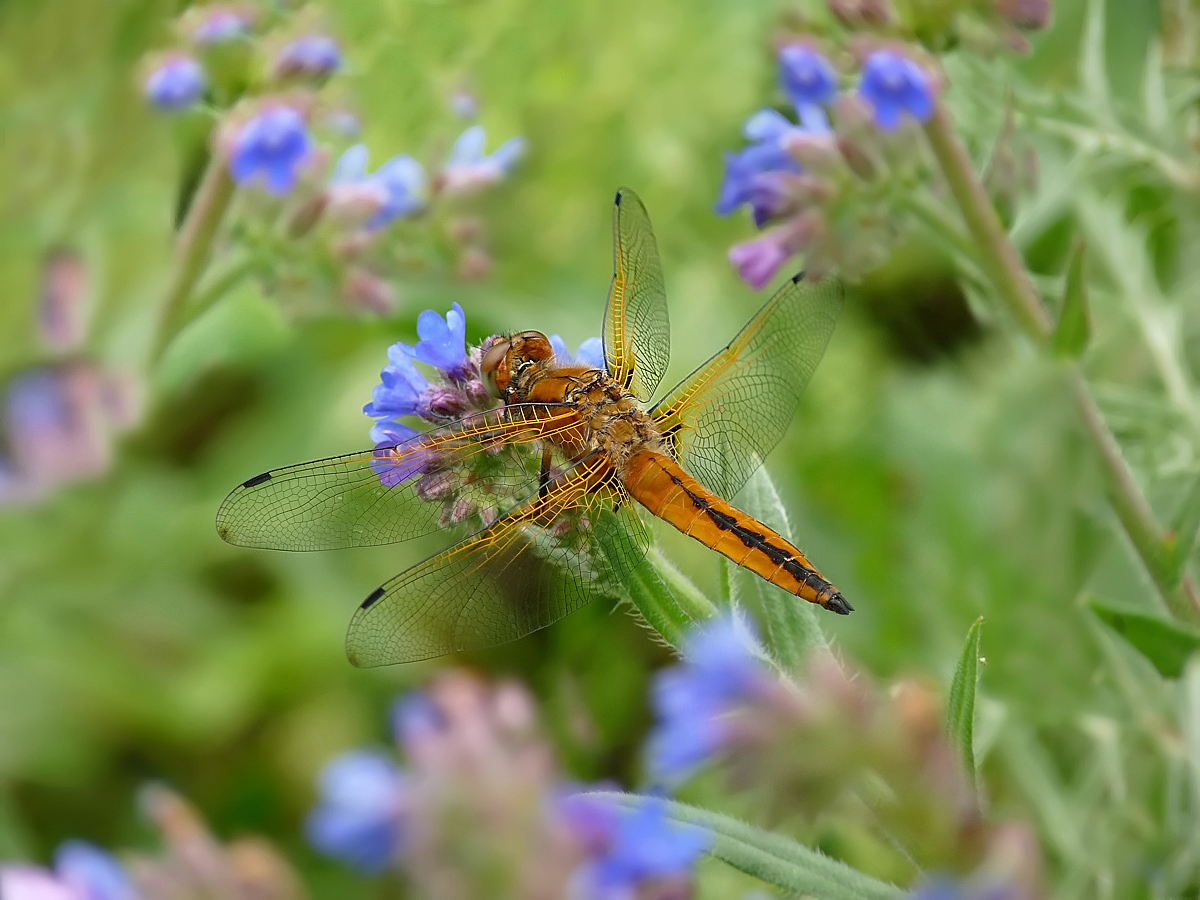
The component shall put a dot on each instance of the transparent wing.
(637, 332)
(723, 419)
(394, 493)
(572, 542)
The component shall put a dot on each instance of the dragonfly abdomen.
(658, 483)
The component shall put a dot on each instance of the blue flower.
(443, 342)
(415, 718)
(806, 76)
(271, 146)
(630, 846)
(690, 699)
(894, 85)
(590, 352)
(94, 874)
(402, 391)
(393, 191)
(468, 169)
(358, 818)
(758, 260)
(314, 55)
(176, 84)
(220, 26)
(396, 460)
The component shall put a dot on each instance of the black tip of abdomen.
(837, 603)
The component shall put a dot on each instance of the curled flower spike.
(468, 169)
(894, 85)
(358, 818)
(392, 192)
(176, 84)
(92, 873)
(270, 148)
(443, 343)
(403, 390)
(590, 352)
(314, 55)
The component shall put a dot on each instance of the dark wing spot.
(375, 595)
(257, 480)
(617, 200)
(798, 277)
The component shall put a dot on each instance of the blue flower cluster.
(358, 818)
(692, 700)
(313, 56)
(81, 871)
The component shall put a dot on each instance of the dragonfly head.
(506, 357)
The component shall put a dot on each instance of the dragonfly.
(561, 466)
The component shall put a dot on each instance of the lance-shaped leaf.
(771, 857)
(960, 717)
(1166, 644)
(1181, 537)
(1074, 326)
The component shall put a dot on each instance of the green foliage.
(1166, 644)
(960, 715)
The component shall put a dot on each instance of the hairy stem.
(192, 249)
(1003, 266)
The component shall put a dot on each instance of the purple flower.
(469, 169)
(396, 459)
(93, 873)
(415, 718)
(314, 55)
(443, 342)
(176, 84)
(590, 352)
(627, 847)
(807, 77)
(894, 85)
(221, 26)
(393, 191)
(758, 260)
(358, 818)
(270, 147)
(402, 391)
(690, 699)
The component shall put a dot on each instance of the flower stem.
(192, 248)
(1003, 266)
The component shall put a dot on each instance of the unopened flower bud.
(857, 159)
(435, 485)
(62, 299)
(364, 290)
(447, 402)
(861, 13)
(474, 263)
(464, 230)
(309, 213)
(1030, 15)
(815, 152)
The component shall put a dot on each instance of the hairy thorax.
(611, 419)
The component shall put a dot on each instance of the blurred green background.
(935, 471)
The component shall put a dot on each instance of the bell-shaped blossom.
(402, 391)
(807, 78)
(313, 55)
(219, 25)
(759, 259)
(590, 352)
(175, 84)
(395, 190)
(443, 341)
(469, 169)
(94, 873)
(895, 86)
(270, 148)
(359, 816)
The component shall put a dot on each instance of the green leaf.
(1093, 70)
(1074, 326)
(1166, 644)
(960, 718)
(792, 624)
(1181, 537)
(771, 857)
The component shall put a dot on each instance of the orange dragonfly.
(556, 470)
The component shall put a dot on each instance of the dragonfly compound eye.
(494, 368)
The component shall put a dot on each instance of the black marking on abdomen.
(375, 595)
(755, 541)
(257, 480)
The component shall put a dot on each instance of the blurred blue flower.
(387, 436)
(590, 352)
(358, 818)
(940, 887)
(468, 169)
(314, 55)
(767, 155)
(443, 342)
(759, 259)
(626, 847)
(393, 191)
(270, 146)
(720, 671)
(94, 874)
(415, 718)
(894, 85)
(176, 84)
(402, 391)
(809, 82)
(221, 25)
